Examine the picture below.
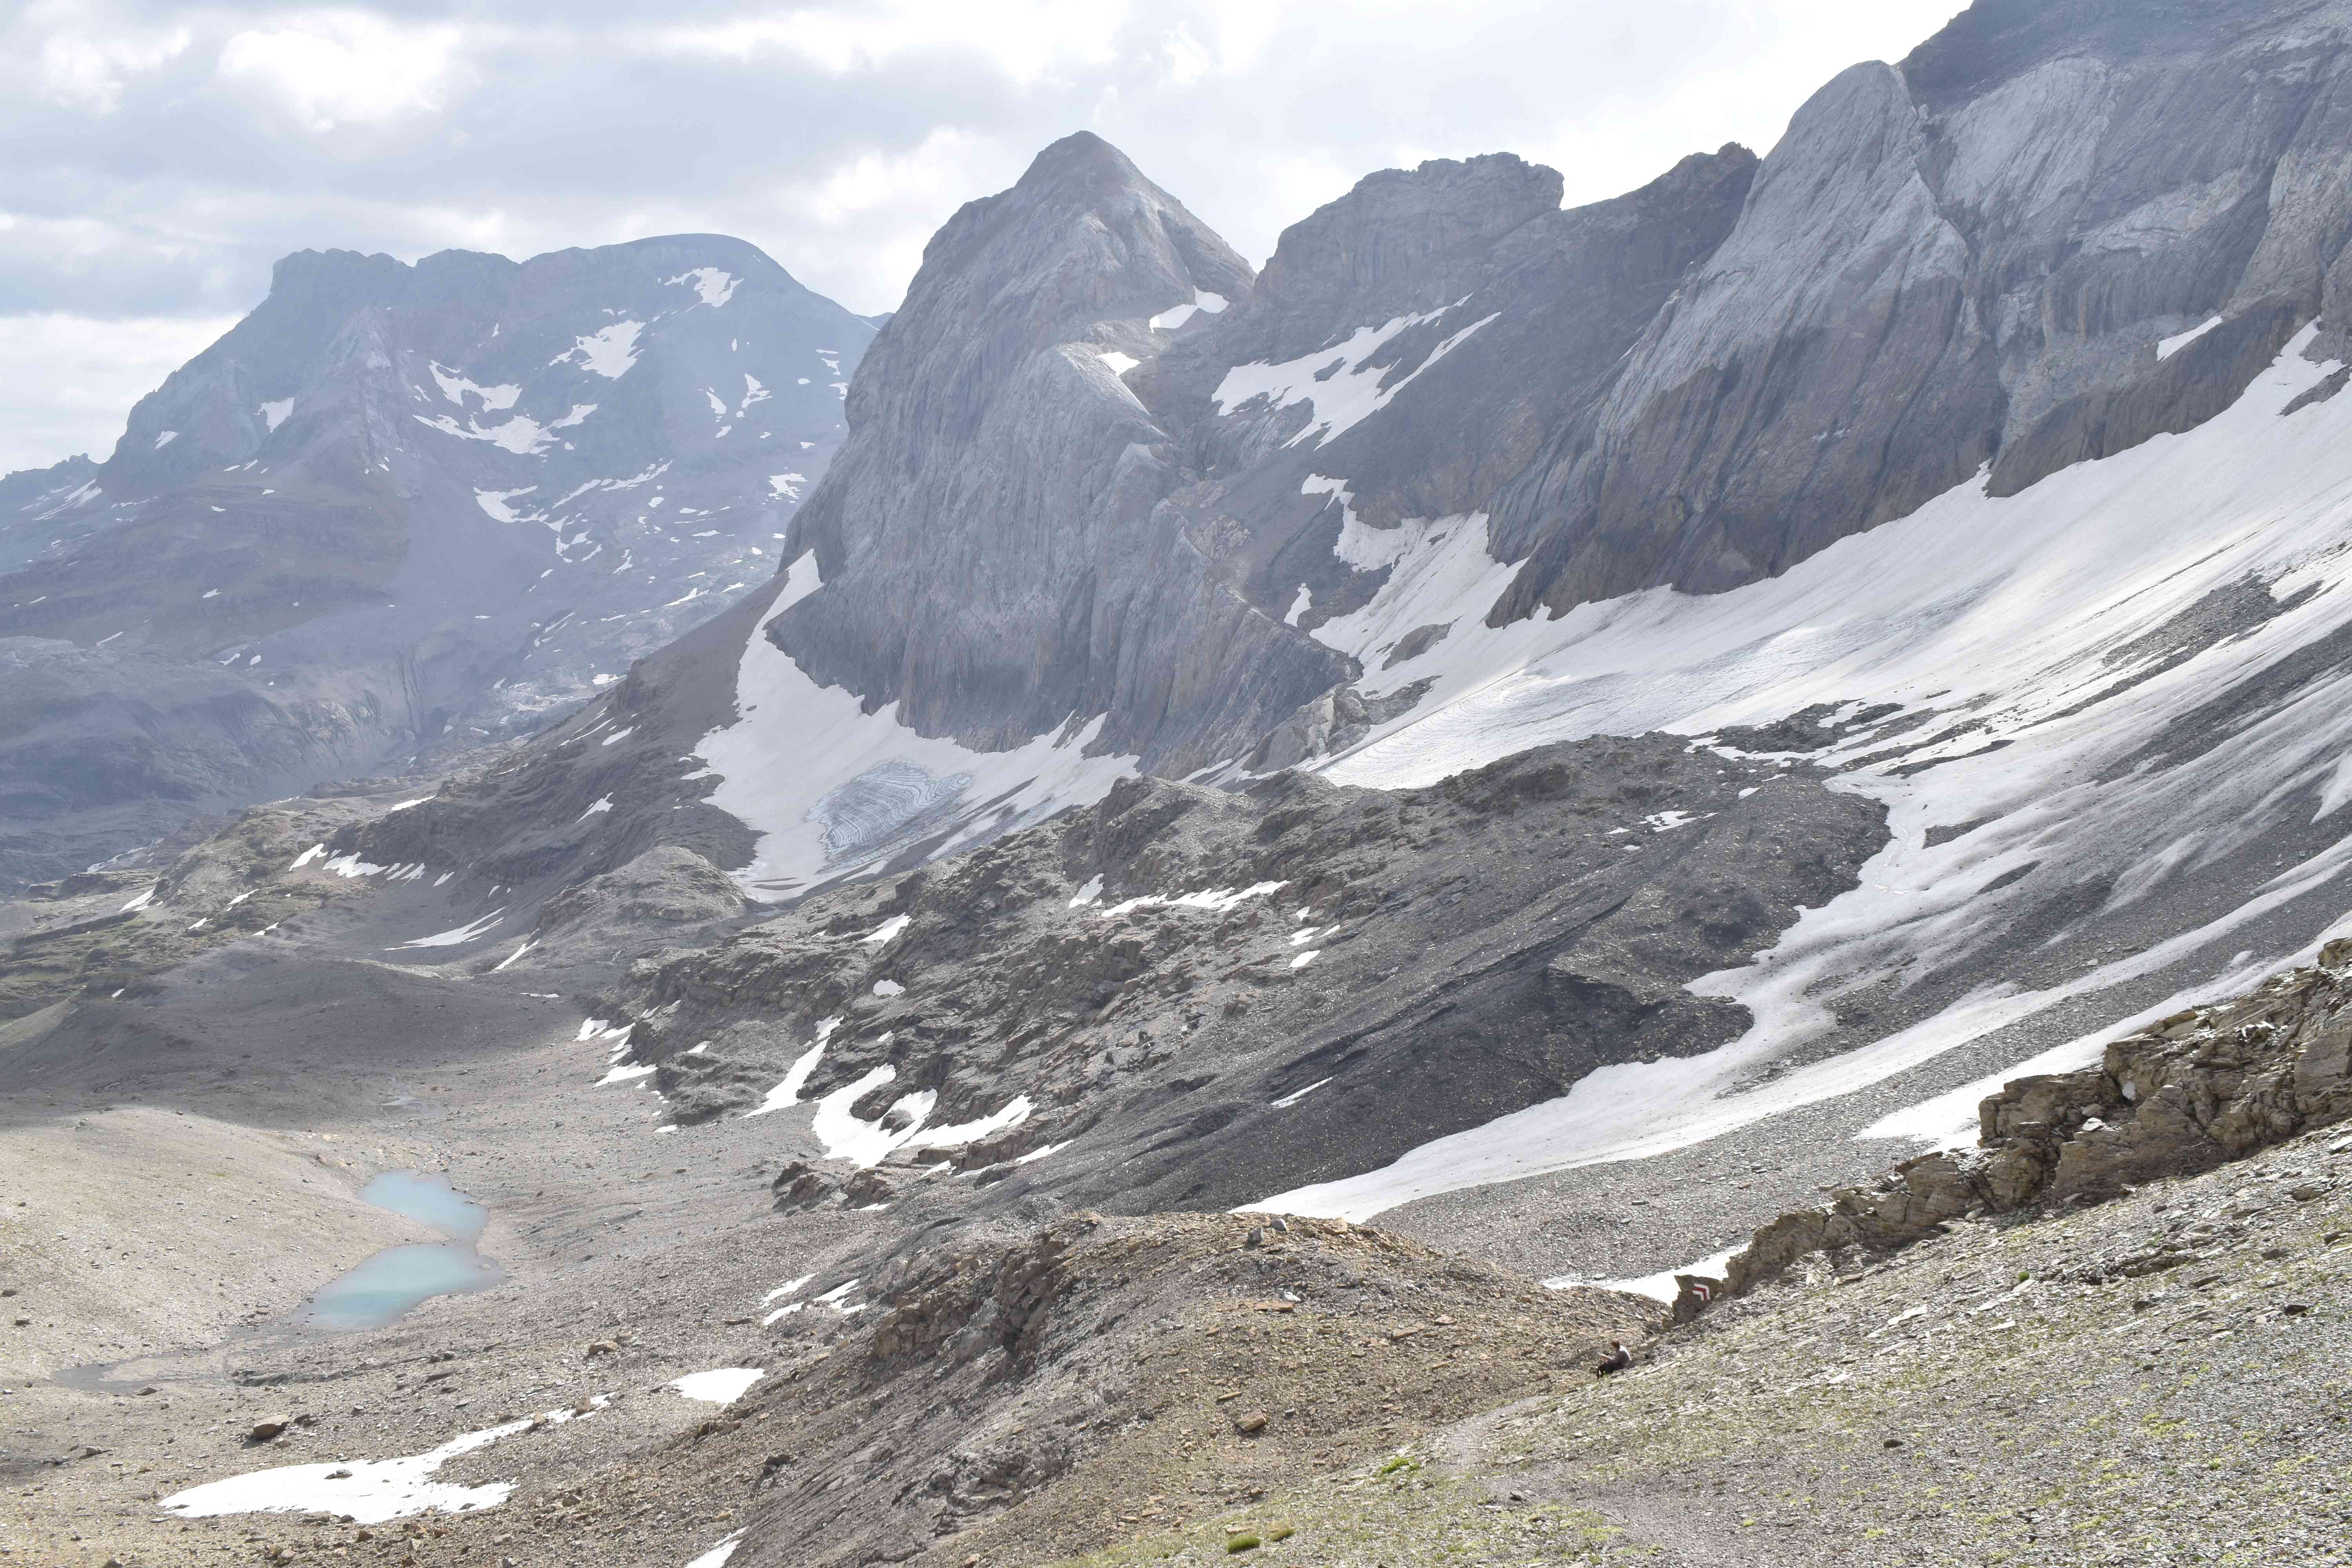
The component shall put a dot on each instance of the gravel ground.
(2167, 1378)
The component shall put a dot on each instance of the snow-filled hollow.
(782, 714)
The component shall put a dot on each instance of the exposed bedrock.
(994, 556)
(1232, 994)
(2202, 1087)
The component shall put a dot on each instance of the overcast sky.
(159, 156)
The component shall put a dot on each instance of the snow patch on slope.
(716, 287)
(813, 824)
(369, 1491)
(866, 1144)
(459, 935)
(2173, 345)
(2015, 622)
(456, 388)
(494, 504)
(609, 350)
(1345, 388)
(1202, 303)
(1439, 570)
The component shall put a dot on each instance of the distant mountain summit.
(396, 509)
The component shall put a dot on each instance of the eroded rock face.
(2201, 1088)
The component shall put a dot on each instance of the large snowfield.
(2014, 622)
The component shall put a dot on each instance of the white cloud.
(1022, 40)
(1188, 62)
(83, 375)
(80, 54)
(341, 68)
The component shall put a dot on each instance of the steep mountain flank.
(1412, 348)
(1996, 253)
(1062, 592)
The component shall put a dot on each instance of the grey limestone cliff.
(995, 556)
(1991, 254)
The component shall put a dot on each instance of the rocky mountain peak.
(1403, 237)
(345, 278)
(997, 396)
(1081, 155)
(398, 507)
(1083, 238)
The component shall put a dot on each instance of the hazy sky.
(155, 158)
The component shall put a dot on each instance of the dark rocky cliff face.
(1972, 258)
(398, 509)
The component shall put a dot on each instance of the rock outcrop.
(2201, 1088)
(1235, 994)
